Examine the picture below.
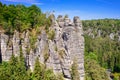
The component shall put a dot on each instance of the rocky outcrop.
(58, 53)
(111, 36)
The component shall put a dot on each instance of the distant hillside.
(102, 28)
(102, 42)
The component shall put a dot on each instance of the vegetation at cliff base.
(74, 71)
(93, 70)
(15, 69)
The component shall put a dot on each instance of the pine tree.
(21, 68)
(12, 70)
(4, 71)
(49, 75)
(38, 72)
(74, 71)
(17, 68)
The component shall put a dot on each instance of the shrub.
(74, 71)
(51, 34)
(61, 53)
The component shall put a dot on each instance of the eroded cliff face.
(57, 54)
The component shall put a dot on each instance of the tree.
(4, 71)
(93, 70)
(49, 75)
(33, 12)
(74, 71)
(21, 67)
(38, 72)
(17, 69)
(22, 18)
(13, 67)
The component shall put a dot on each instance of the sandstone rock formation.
(57, 54)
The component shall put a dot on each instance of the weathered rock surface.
(112, 36)
(68, 39)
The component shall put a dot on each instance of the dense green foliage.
(107, 26)
(15, 69)
(51, 34)
(21, 18)
(93, 69)
(106, 50)
(74, 71)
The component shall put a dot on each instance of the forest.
(22, 18)
(101, 49)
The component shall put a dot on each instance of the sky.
(85, 9)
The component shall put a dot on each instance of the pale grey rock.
(112, 36)
(16, 42)
(4, 47)
(32, 59)
(77, 22)
(73, 44)
(71, 40)
(61, 24)
(67, 21)
(60, 18)
(118, 38)
(54, 62)
(91, 35)
(43, 43)
(99, 33)
(25, 42)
